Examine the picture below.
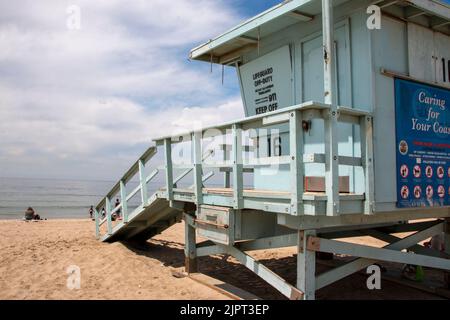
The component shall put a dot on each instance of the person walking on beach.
(118, 211)
(91, 212)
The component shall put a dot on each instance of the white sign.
(267, 82)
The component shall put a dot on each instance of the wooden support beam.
(383, 254)
(300, 16)
(248, 39)
(415, 248)
(283, 241)
(306, 265)
(236, 54)
(408, 227)
(388, 4)
(439, 24)
(411, 13)
(265, 273)
(190, 249)
(349, 268)
(210, 251)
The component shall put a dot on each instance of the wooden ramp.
(145, 222)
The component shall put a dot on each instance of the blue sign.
(423, 144)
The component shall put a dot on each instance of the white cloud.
(85, 103)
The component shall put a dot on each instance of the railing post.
(169, 168)
(97, 224)
(123, 195)
(365, 128)
(238, 179)
(108, 214)
(331, 163)
(297, 168)
(227, 175)
(331, 143)
(198, 175)
(227, 180)
(143, 182)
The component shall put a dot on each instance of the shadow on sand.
(227, 269)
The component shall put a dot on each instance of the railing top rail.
(225, 125)
(310, 105)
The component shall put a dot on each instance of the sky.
(84, 103)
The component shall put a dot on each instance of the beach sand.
(34, 258)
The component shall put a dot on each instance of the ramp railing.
(238, 162)
(104, 212)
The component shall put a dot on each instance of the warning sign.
(266, 82)
(423, 144)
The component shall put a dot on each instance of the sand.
(34, 258)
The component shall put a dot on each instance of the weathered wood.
(331, 115)
(124, 203)
(238, 181)
(190, 249)
(296, 162)
(143, 182)
(97, 224)
(198, 172)
(108, 214)
(306, 265)
(367, 160)
(266, 274)
(169, 168)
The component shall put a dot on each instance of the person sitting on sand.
(30, 214)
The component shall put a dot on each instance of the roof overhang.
(433, 14)
(244, 37)
(231, 45)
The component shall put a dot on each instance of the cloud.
(85, 103)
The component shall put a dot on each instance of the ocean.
(52, 199)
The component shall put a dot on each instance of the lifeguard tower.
(347, 133)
